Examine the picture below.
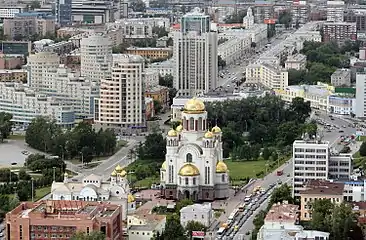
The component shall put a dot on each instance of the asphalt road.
(332, 137)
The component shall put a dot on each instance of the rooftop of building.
(127, 58)
(310, 89)
(35, 14)
(282, 212)
(312, 142)
(150, 48)
(64, 209)
(156, 89)
(197, 208)
(149, 221)
(296, 58)
(339, 23)
(323, 187)
(342, 72)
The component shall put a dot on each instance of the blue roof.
(34, 14)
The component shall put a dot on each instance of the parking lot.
(13, 152)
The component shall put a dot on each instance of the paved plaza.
(11, 152)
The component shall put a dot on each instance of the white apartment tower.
(121, 101)
(315, 160)
(310, 162)
(360, 95)
(195, 55)
(248, 20)
(335, 11)
(39, 63)
(96, 57)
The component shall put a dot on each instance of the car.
(288, 175)
(340, 131)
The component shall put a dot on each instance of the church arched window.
(191, 124)
(186, 181)
(194, 181)
(223, 178)
(189, 157)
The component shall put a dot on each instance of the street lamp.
(54, 174)
(82, 159)
(32, 180)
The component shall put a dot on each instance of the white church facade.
(194, 166)
(93, 188)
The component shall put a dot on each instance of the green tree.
(173, 229)
(236, 17)
(166, 81)
(266, 153)
(181, 204)
(160, 31)
(280, 194)
(300, 109)
(5, 125)
(23, 175)
(154, 147)
(321, 210)
(362, 150)
(285, 18)
(91, 236)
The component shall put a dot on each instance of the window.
(222, 178)
(194, 181)
(186, 181)
(189, 157)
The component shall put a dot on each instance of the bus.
(241, 207)
(221, 231)
(233, 214)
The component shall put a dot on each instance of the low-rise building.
(24, 25)
(61, 48)
(160, 94)
(61, 219)
(339, 32)
(151, 78)
(319, 189)
(22, 48)
(341, 104)
(201, 213)
(150, 52)
(269, 76)
(144, 226)
(237, 45)
(281, 222)
(10, 62)
(149, 108)
(341, 77)
(164, 68)
(15, 75)
(297, 62)
(9, 10)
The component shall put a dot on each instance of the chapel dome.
(130, 198)
(118, 168)
(179, 128)
(114, 173)
(209, 135)
(194, 105)
(189, 169)
(216, 129)
(221, 167)
(123, 173)
(163, 166)
(172, 133)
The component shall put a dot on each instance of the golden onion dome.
(209, 134)
(66, 174)
(130, 198)
(194, 105)
(172, 133)
(163, 166)
(114, 173)
(221, 167)
(179, 128)
(216, 129)
(123, 173)
(189, 169)
(118, 168)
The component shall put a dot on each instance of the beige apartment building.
(121, 102)
(26, 25)
(319, 189)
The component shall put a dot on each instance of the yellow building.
(269, 76)
(159, 93)
(319, 189)
(144, 226)
(152, 53)
(17, 75)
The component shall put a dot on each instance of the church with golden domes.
(194, 166)
(94, 188)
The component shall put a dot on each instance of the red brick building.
(53, 219)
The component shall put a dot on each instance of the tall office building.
(335, 11)
(63, 12)
(315, 160)
(96, 57)
(360, 95)
(39, 63)
(121, 103)
(300, 11)
(195, 55)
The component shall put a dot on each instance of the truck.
(279, 172)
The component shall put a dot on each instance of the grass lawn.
(17, 137)
(361, 138)
(146, 182)
(244, 169)
(41, 192)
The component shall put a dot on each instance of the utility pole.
(32, 180)
(54, 174)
